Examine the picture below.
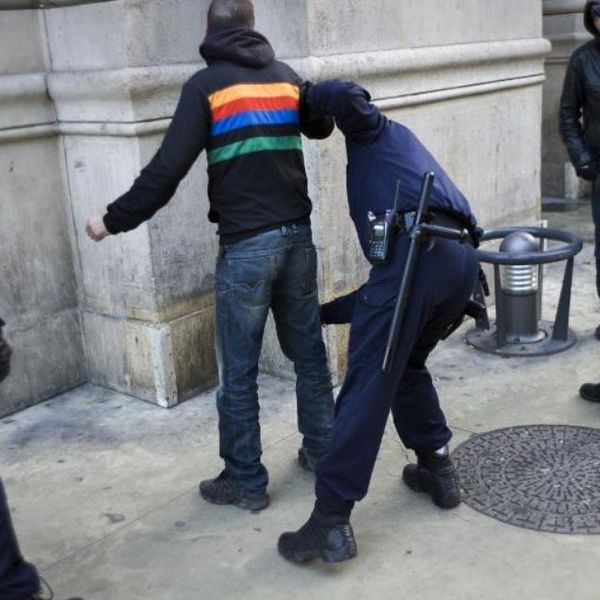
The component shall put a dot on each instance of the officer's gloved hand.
(314, 124)
(589, 171)
(5, 353)
(340, 310)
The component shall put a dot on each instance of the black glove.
(5, 353)
(313, 124)
(340, 310)
(589, 171)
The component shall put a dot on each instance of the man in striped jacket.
(244, 109)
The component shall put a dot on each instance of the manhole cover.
(542, 477)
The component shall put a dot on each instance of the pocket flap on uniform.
(379, 295)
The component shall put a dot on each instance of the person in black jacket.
(19, 579)
(381, 153)
(580, 117)
(244, 109)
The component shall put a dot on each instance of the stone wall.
(563, 26)
(87, 90)
(38, 281)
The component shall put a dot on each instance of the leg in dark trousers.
(18, 579)
(596, 217)
(443, 284)
(295, 306)
(416, 403)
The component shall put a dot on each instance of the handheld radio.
(382, 228)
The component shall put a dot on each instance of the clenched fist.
(96, 229)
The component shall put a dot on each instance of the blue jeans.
(274, 270)
(18, 579)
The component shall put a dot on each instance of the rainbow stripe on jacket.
(253, 117)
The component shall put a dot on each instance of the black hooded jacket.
(581, 98)
(245, 110)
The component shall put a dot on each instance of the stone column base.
(163, 363)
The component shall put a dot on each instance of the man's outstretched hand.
(96, 229)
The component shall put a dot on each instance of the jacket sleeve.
(350, 105)
(571, 105)
(155, 186)
(313, 125)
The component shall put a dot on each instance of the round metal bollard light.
(519, 329)
(520, 288)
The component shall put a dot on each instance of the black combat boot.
(435, 475)
(325, 536)
(590, 392)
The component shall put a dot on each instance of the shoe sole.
(329, 556)
(416, 484)
(240, 502)
(589, 398)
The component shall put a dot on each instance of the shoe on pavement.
(435, 475)
(323, 536)
(590, 392)
(223, 490)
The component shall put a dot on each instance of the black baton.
(419, 232)
(407, 276)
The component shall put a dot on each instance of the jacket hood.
(239, 45)
(588, 19)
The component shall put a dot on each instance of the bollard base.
(486, 341)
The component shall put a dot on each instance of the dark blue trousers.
(18, 579)
(443, 283)
(596, 217)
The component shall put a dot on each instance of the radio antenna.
(398, 184)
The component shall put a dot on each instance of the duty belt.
(406, 222)
(422, 228)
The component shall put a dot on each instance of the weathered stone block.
(48, 359)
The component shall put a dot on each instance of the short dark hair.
(227, 14)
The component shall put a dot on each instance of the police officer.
(19, 580)
(380, 152)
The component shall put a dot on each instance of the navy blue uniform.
(18, 579)
(380, 152)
